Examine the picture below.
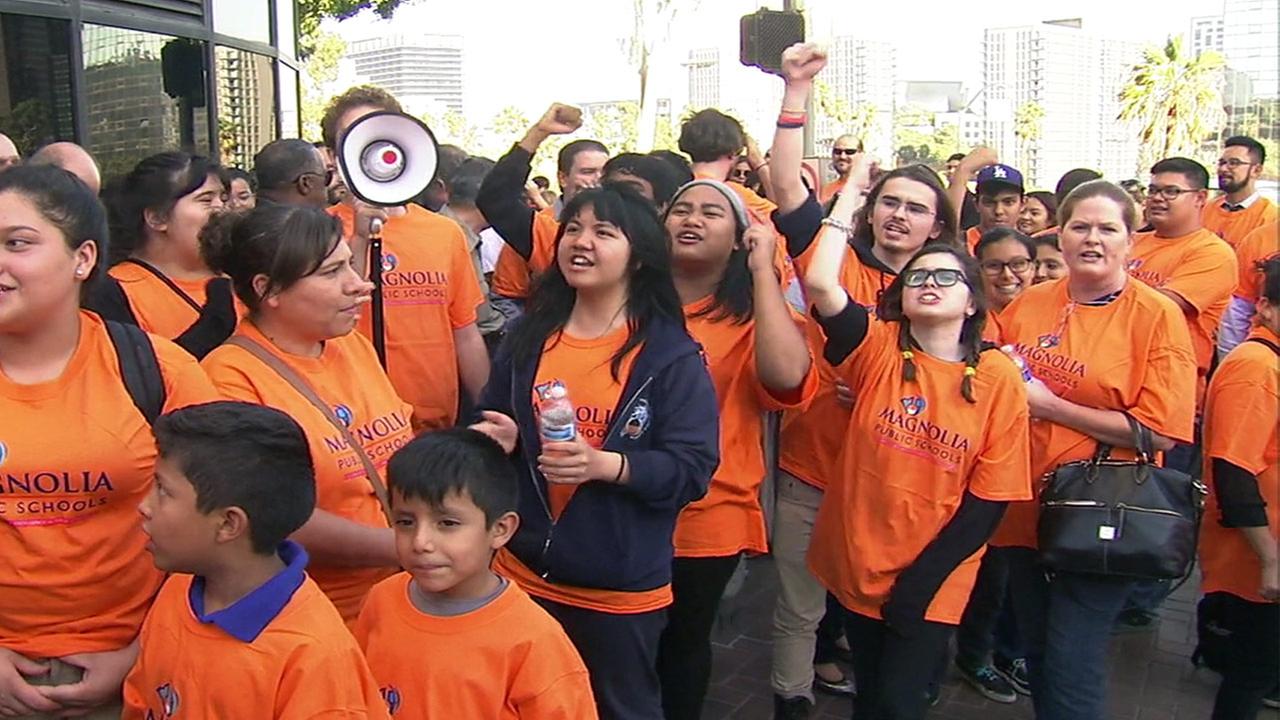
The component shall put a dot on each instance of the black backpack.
(139, 368)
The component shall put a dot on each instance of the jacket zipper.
(546, 505)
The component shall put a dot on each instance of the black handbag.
(1127, 518)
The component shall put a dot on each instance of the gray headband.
(735, 201)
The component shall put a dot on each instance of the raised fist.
(802, 61)
(560, 119)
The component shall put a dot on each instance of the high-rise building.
(864, 74)
(1205, 34)
(704, 78)
(1074, 77)
(1249, 32)
(423, 71)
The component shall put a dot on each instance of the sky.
(530, 54)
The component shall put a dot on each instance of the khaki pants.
(61, 673)
(801, 601)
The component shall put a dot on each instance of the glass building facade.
(128, 78)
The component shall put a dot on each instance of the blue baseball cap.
(993, 175)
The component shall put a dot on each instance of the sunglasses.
(327, 175)
(844, 151)
(942, 277)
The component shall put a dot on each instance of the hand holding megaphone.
(370, 219)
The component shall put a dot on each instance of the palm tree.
(1175, 99)
(1027, 122)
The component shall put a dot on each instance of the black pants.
(894, 670)
(684, 654)
(830, 630)
(987, 626)
(620, 652)
(1250, 671)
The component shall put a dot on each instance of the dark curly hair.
(709, 135)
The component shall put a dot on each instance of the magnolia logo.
(913, 405)
(4, 453)
(169, 700)
(343, 413)
(1048, 341)
(389, 262)
(391, 696)
(1135, 263)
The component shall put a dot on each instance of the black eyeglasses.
(1168, 192)
(327, 175)
(1016, 265)
(844, 151)
(942, 277)
(1233, 163)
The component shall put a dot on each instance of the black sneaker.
(796, 708)
(989, 683)
(1272, 700)
(1015, 672)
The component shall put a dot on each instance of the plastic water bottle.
(556, 415)
(1018, 360)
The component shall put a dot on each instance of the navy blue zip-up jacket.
(618, 537)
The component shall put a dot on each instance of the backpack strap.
(139, 368)
(167, 281)
(1263, 341)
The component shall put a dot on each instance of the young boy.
(246, 634)
(449, 638)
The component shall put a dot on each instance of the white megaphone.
(386, 158)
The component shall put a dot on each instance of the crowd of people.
(217, 501)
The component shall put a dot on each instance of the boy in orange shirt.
(233, 480)
(449, 638)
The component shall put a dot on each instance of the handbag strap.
(304, 389)
(1263, 341)
(1143, 442)
(167, 281)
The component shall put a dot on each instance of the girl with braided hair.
(935, 448)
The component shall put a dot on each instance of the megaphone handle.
(375, 275)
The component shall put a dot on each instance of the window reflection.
(288, 101)
(35, 81)
(246, 104)
(286, 31)
(144, 93)
(245, 19)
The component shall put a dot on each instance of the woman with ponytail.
(935, 448)
(291, 269)
(158, 279)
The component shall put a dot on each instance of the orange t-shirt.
(303, 665)
(971, 238)
(1132, 354)
(831, 189)
(76, 458)
(378, 419)
(507, 660)
(1198, 267)
(1234, 226)
(583, 367)
(1256, 247)
(991, 331)
(157, 307)
(810, 444)
(429, 290)
(1244, 393)
(512, 275)
(912, 449)
(729, 519)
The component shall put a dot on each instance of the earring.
(79, 272)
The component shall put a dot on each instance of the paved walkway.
(1151, 675)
